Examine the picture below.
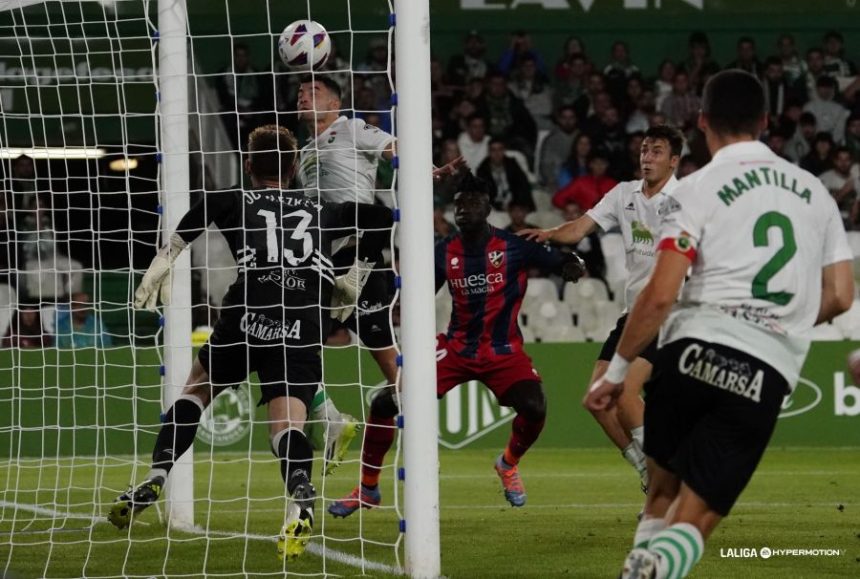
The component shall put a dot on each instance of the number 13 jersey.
(758, 230)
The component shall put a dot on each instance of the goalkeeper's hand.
(347, 288)
(157, 279)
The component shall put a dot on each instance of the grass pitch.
(578, 522)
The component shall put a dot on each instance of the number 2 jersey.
(281, 241)
(758, 230)
(487, 283)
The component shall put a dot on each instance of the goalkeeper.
(272, 320)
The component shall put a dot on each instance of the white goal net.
(83, 375)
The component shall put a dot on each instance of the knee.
(384, 404)
(533, 406)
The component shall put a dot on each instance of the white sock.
(638, 436)
(680, 547)
(635, 457)
(647, 528)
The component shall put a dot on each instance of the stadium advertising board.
(84, 402)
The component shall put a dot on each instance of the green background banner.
(87, 402)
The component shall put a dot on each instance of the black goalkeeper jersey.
(281, 241)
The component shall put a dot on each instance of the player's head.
(271, 155)
(733, 107)
(660, 153)
(472, 203)
(319, 98)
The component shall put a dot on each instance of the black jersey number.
(299, 233)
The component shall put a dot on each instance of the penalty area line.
(318, 550)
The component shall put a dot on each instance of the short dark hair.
(842, 149)
(325, 80)
(826, 81)
(497, 141)
(272, 151)
(475, 116)
(671, 135)
(807, 118)
(823, 137)
(746, 40)
(835, 34)
(773, 60)
(597, 154)
(733, 102)
(471, 184)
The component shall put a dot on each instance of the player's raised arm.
(568, 264)
(157, 278)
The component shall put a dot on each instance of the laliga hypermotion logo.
(228, 418)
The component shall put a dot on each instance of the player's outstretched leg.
(175, 437)
(296, 456)
(528, 399)
(378, 438)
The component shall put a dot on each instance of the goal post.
(175, 184)
(420, 408)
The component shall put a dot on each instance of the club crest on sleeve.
(496, 257)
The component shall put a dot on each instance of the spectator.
(577, 162)
(626, 167)
(819, 159)
(442, 91)
(843, 182)
(800, 143)
(626, 102)
(508, 182)
(608, 131)
(776, 142)
(24, 185)
(852, 135)
(574, 49)
(699, 65)
(637, 120)
(573, 86)
(474, 142)
(245, 95)
(519, 49)
(518, 213)
(8, 263)
(835, 63)
(471, 64)
(26, 330)
(656, 119)
(777, 90)
(687, 166)
(587, 190)
(665, 82)
(588, 248)
(370, 109)
(445, 189)
(532, 88)
(557, 146)
(507, 117)
(337, 69)
(619, 69)
(584, 105)
(374, 69)
(682, 106)
(79, 327)
(747, 59)
(814, 71)
(793, 66)
(830, 116)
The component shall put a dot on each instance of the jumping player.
(770, 259)
(486, 272)
(632, 206)
(271, 321)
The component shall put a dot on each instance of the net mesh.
(81, 371)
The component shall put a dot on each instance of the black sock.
(176, 434)
(296, 456)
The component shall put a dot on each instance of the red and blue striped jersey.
(487, 283)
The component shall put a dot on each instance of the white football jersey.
(341, 162)
(759, 231)
(626, 207)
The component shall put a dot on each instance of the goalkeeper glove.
(347, 288)
(157, 279)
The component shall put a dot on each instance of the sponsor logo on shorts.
(228, 418)
(266, 329)
(711, 367)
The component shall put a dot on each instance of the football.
(304, 45)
